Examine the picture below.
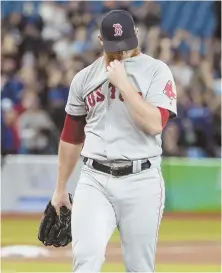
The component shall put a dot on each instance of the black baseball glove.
(53, 229)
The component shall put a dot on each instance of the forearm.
(68, 156)
(70, 146)
(146, 116)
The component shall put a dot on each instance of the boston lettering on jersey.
(107, 139)
(97, 96)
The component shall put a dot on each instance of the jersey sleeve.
(162, 90)
(75, 105)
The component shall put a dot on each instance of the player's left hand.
(117, 74)
(54, 230)
(59, 199)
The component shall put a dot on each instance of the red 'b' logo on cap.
(118, 30)
(168, 91)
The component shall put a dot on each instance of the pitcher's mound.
(24, 251)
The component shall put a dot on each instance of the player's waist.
(121, 163)
(155, 161)
(119, 167)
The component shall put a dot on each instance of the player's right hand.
(60, 198)
(117, 74)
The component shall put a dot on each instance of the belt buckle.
(113, 171)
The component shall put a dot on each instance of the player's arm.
(70, 146)
(71, 142)
(146, 115)
(152, 112)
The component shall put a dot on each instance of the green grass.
(25, 232)
(52, 267)
(63, 267)
(187, 268)
(190, 230)
(19, 231)
(170, 231)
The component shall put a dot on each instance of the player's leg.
(141, 214)
(93, 222)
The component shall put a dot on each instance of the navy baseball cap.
(117, 29)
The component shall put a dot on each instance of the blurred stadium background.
(43, 45)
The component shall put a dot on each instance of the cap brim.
(124, 45)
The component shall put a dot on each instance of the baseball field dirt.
(185, 245)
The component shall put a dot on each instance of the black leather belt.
(117, 171)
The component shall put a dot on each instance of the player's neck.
(131, 53)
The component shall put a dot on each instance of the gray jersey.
(111, 133)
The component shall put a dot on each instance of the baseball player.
(116, 111)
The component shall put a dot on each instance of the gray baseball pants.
(134, 204)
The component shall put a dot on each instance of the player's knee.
(88, 257)
(139, 258)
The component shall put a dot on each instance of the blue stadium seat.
(194, 16)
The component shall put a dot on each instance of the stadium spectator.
(10, 142)
(44, 44)
(36, 129)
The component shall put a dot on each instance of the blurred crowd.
(45, 44)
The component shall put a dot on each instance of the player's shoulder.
(156, 64)
(90, 77)
(84, 73)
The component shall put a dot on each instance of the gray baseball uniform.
(134, 203)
